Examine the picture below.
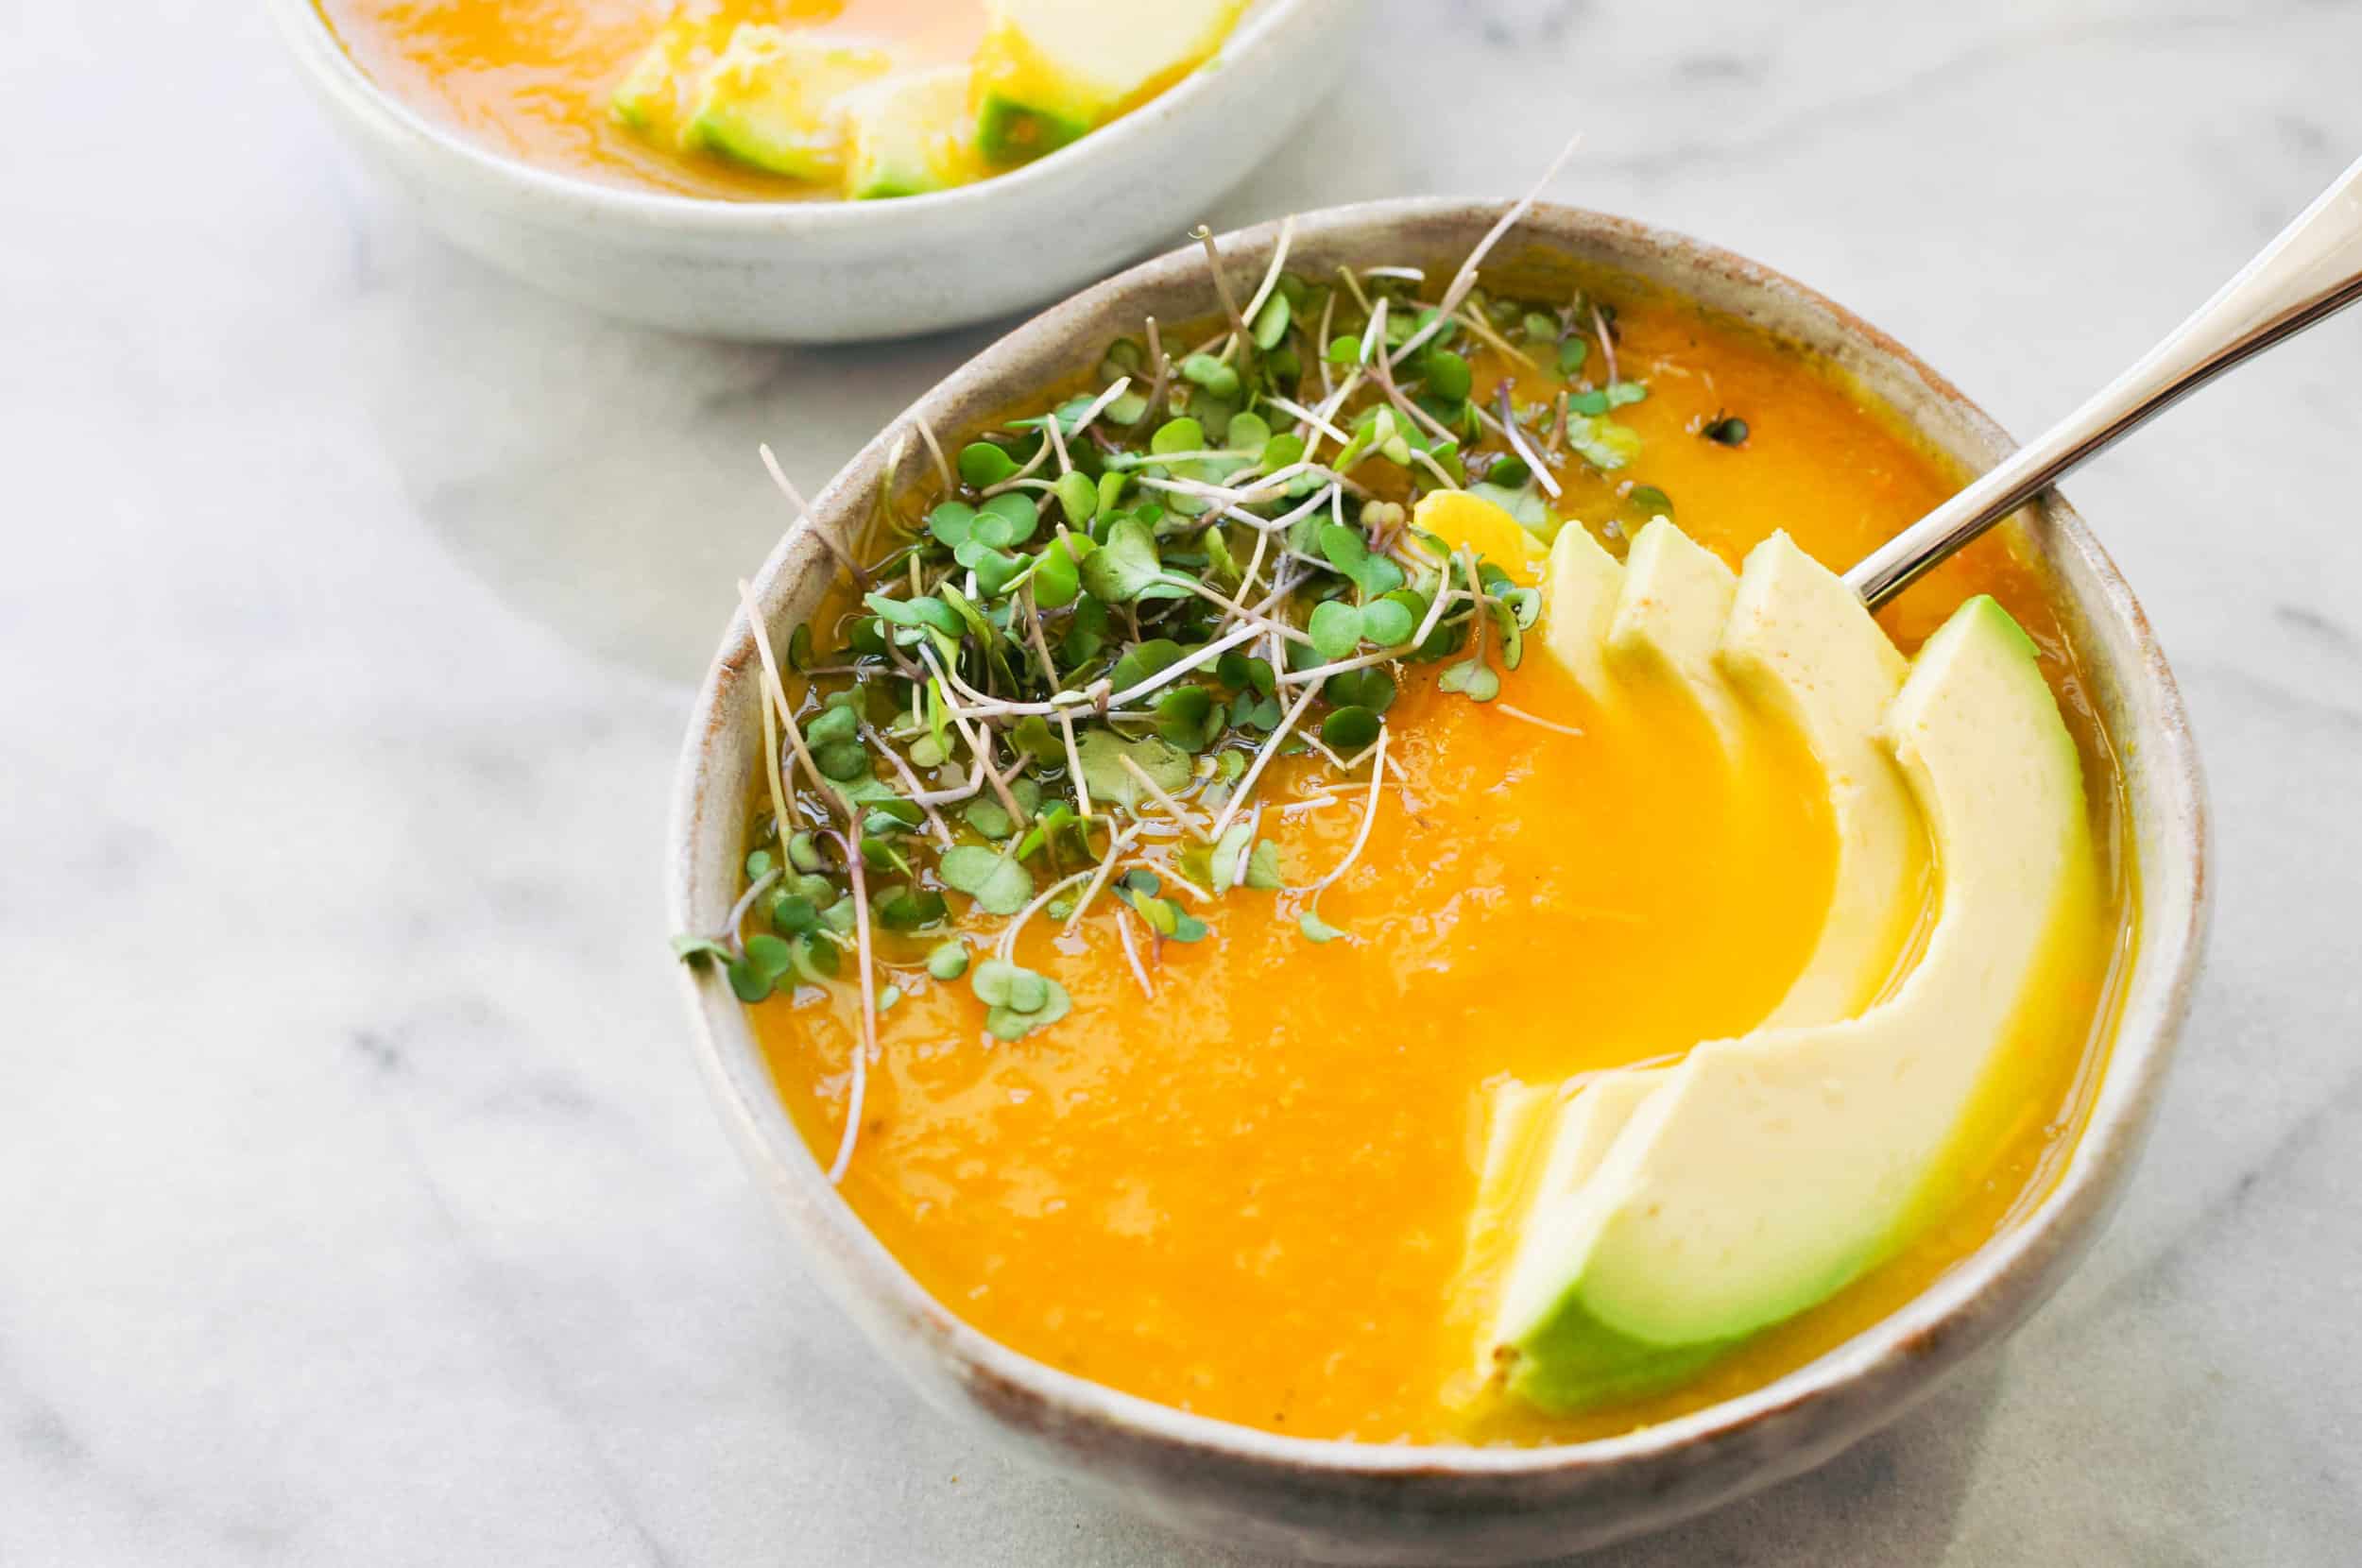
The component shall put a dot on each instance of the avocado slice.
(1800, 647)
(1676, 597)
(1050, 70)
(774, 100)
(1579, 594)
(653, 97)
(1766, 1172)
(909, 134)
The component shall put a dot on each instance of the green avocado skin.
(1012, 132)
(1574, 1363)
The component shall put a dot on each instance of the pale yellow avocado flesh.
(774, 100)
(910, 134)
(1676, 600)
(1800, 648)
(1050, 70)
(1768, 1171)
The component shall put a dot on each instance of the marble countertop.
(358, 1201)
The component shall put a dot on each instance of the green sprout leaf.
(948, 962)
(1315, 928)
(1103, 752)
(1078, 494)
(997, 883)
(1648, 499)
(1126, 564)
(1270, 322)
(1348, 729)
(1215, 376)
(1335, 628)
(1472, 677)
(983, 464)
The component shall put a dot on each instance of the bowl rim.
(1939, 1324)
(309, 33)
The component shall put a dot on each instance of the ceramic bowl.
(1344, 1502)
(819, 272)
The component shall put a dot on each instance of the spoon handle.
(2312, 271)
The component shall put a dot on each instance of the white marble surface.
(357, 1201)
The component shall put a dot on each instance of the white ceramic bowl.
(1346, 1502)
(823, 272)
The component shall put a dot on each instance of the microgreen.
(1727, 430)
(1091, 638)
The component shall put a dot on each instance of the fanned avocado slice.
(774, 101)
(1768, 1171)
(1050, 70)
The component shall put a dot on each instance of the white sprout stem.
(1373, 334)
(1116, 845)
(803, 513)
(868, 1043)
(1405, 274)
(1466, 278)
(1237, 610)
(1309, 418)
(1006, 946)
(935, 449)
(1436, 468)
(1156, 359)
(1484, 331)
(1132, 956)
(1268, 749)
(746, 901)
(1041, 456)
(1246, 580)
(1099, 405)
(1074, 763)
(1329, 315)
(771, 755)
(1607, 341)
(1203, 896)
(1353, 286)
(1204, 236)
(1517, 444)
(910, 782)
(1057, 443)
(1174, 808)
(1271, 274)
(1536, 720)
(1369, 817)
(778, 691)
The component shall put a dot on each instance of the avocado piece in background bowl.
(774, 100)
(1051, 70)
(911, 133)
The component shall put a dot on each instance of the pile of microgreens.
(1065, 683)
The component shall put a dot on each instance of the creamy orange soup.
(532, 78)
(1247, 1197)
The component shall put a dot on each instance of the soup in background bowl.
(1229, 1291)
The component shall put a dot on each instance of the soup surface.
(1245, 1193)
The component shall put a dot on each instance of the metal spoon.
(2311, 272)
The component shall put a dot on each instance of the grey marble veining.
(357, 1203)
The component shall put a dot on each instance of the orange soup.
(533, 78)
(1237, 1177)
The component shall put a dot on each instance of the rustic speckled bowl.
(1344, 1502)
